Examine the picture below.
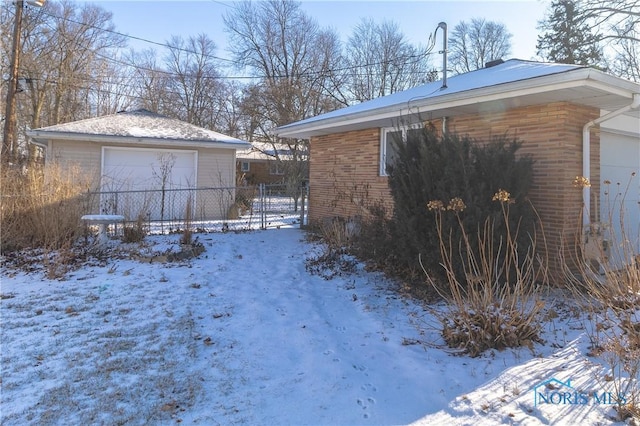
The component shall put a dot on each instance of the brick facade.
(344, 167)
(260, 171)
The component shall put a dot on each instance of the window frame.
(384, 131)
(243, 168)
(276, 168)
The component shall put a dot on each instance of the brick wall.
(344, 174)
(552, 134)
(344, 167)
(259, 172)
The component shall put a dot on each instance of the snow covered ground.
(244, 334)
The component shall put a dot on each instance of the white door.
(147, 182)
(620, 190)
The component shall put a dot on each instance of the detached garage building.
(138, 153)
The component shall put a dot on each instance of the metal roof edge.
(569, 78)
(39, 137)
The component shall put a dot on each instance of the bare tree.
(617, 22)
(65, 66)
(149, 80)
(78, 37)
(626, 61)
(186, 83)
(617, 19)
(292, 59)
(379, 61)
(194, 81)
(474, 44)
(232, 121)
(287, 52)
(111, 89)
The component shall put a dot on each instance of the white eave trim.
(40, 138)
(538, 85)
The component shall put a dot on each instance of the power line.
(93, 80)
(139, 38)
(418, 57)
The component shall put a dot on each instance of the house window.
(389, 139)
(244, 166)
(276, 168)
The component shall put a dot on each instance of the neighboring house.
(142, 151)
(573, 120)
(263, 163)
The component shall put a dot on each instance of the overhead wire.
(407, 60)
(165, 45)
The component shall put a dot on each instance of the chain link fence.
(207, 209)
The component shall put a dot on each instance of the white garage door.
(620, 199)
(147, 181)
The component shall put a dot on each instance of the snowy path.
(242, 335)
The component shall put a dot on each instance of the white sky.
(159, 20)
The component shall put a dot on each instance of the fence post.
(303, 193)
(263, 218)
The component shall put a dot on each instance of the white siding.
(620, 168)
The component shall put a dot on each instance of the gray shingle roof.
(140, 124)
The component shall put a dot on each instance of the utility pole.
(10, 135)
(9, 143)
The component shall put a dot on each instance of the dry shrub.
(244, 198)
(42, 209)
(187, 234)
(134, 233)
(603, 272)
(336, 234)
(373, 240)
(495, 303)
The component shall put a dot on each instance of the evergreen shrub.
(431, 167)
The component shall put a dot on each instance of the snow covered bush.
(495, 302)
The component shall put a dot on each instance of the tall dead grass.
(42, 209)
(603, 272)
(496, 301)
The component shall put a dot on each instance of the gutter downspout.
(586, 150)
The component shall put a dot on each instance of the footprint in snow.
(368, 387)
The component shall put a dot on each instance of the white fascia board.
(42, 143)
(38, 137)
(580, 78)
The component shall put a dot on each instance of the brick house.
(573, 120)
(268, 163)
(259, 164)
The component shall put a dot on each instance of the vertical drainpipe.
(586, 150)
(443, 25)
